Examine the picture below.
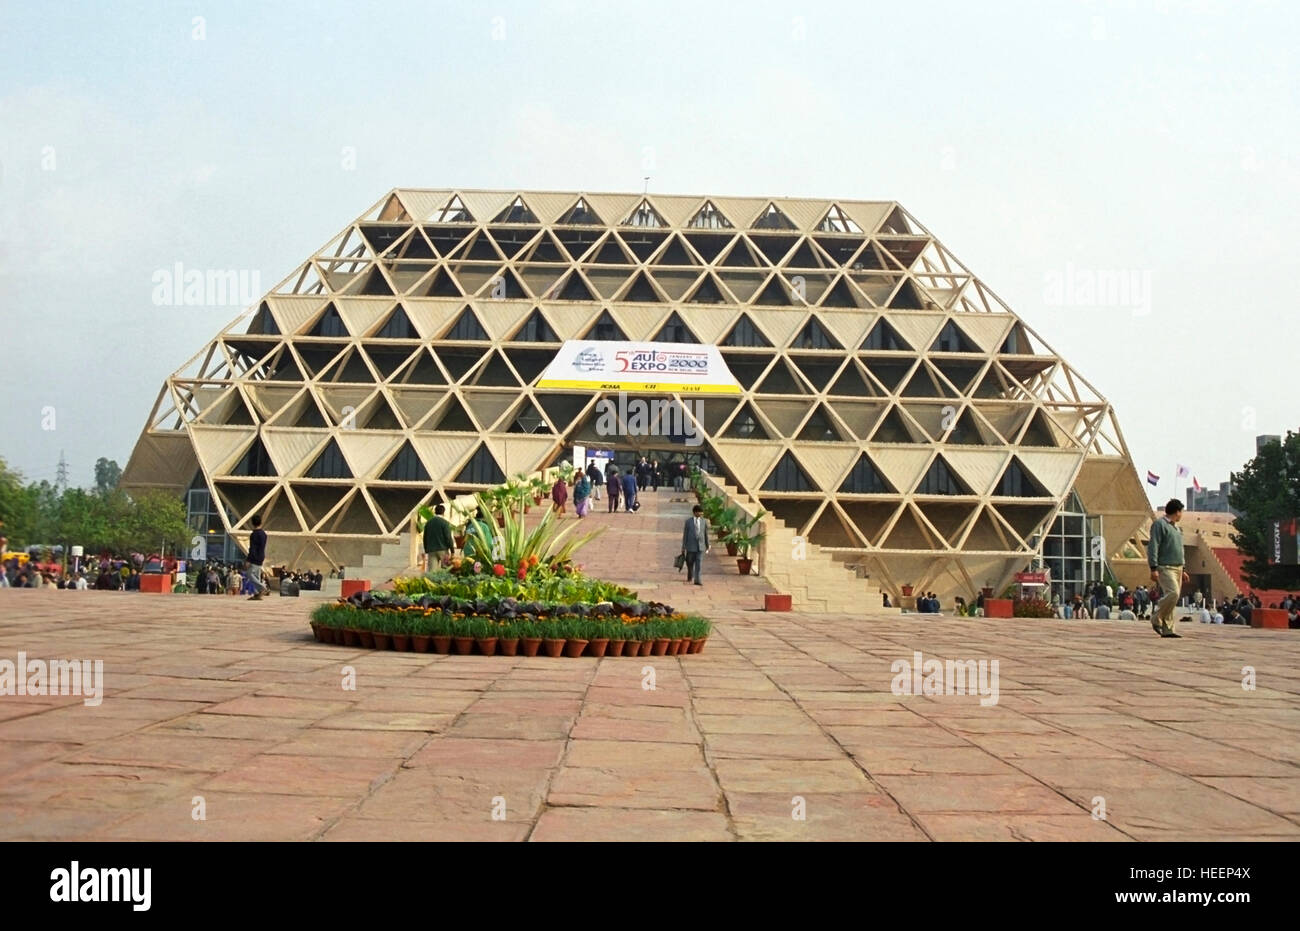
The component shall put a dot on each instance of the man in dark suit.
(695, 543)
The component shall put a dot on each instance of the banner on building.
(673, 368)
(1284, 545)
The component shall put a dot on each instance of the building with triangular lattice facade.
(892, 409)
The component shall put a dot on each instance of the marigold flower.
(498, 569)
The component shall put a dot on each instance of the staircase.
(392, 560)
(818, 582)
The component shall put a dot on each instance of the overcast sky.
(1043, 143)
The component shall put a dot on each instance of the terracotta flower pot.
(421, 643)
(487, 646)
(615, 648)
(674, 646)
(598, 647)
(382, 641)
(530, 645)
(348, 637)
(401, 642)
(574, 648)
(460, 541)
(659, 646)
(464, 645)
(367, 639)
(441, 643)
(553, 646)
(744, 565)
(697, 645)
(316, 632)
(508, 646)
(646, 647)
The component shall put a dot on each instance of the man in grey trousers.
(695, 543)
(1165, 559)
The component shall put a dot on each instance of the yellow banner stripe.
(667, 387)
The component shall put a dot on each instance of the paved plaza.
(218, 707)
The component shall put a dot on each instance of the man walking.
(629, 492)
(438, 538)
(695, 543)
(257, 556)
(596, 479)
(1165, 559)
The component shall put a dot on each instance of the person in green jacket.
(438, 538)
(1165, 560)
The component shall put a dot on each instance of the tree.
(17, 513)
(1265, 490)
(107, 475)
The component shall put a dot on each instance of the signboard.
(1032, 578)
(1284, 542)
(606, 365)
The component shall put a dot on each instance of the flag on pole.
(1182, 472)
(1196, 484)
(1152, 478)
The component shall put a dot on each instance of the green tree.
(107, 475)
(1265, 490)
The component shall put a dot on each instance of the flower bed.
(515, 589)
(430, 623)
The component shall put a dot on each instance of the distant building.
(1265, 439)
(1211, 499)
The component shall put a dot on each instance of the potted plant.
(907, 591)
(747, 536)
(485, 635)
(508, 638)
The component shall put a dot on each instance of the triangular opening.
(804, 256)
(379, 416)
(775, 293)
(865, 479)
(575, 289)
(255, 461)
(310, 414)
(329, 323)
(643, 242)
(641, 290)
(423, 371)
(374, 284)
(709, 217)
(708, 245)
(746, 425)
(675, 253)
(478, 248)
(774, 248)
(453, 417)
(884, 338)
(644, 215)
(495, 373)
(396, 504)
(814, 336)
(839, 294)
(442, 284)
(535, 330)
(966, 432)
(889, 373)
(315, 501)
(517, 212)
(820, 428)
(893, 429)
(562, 409)
(446, 241)
(708, 291)
(788, 475)
(350, 368)
(527, 419)
(482, 469)
(923, 384)
(546, 249)
(387, 360)
(746, 367)
(330, 463)
(744, 333)
(772, 218)
(852, 383)
(605, 329)
(580, 214)
(415, 404)
(1039, 432)
(952, 339)
(1016, 343)
(284, 367)
(1018, 482)
(782, 381)
(940, 479)
(818, 370)
(458, 361)
(674, 331)
(454, 211)
(405, 467)
(908, 534)
(610, 253)
(741, 256)
(467, 328)
(907, 298)
(263, 323)
(837, 221)
(397, 326)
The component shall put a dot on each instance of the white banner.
(674, 368)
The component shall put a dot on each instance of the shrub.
(1031, 607)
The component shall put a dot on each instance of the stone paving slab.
(786, 728)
